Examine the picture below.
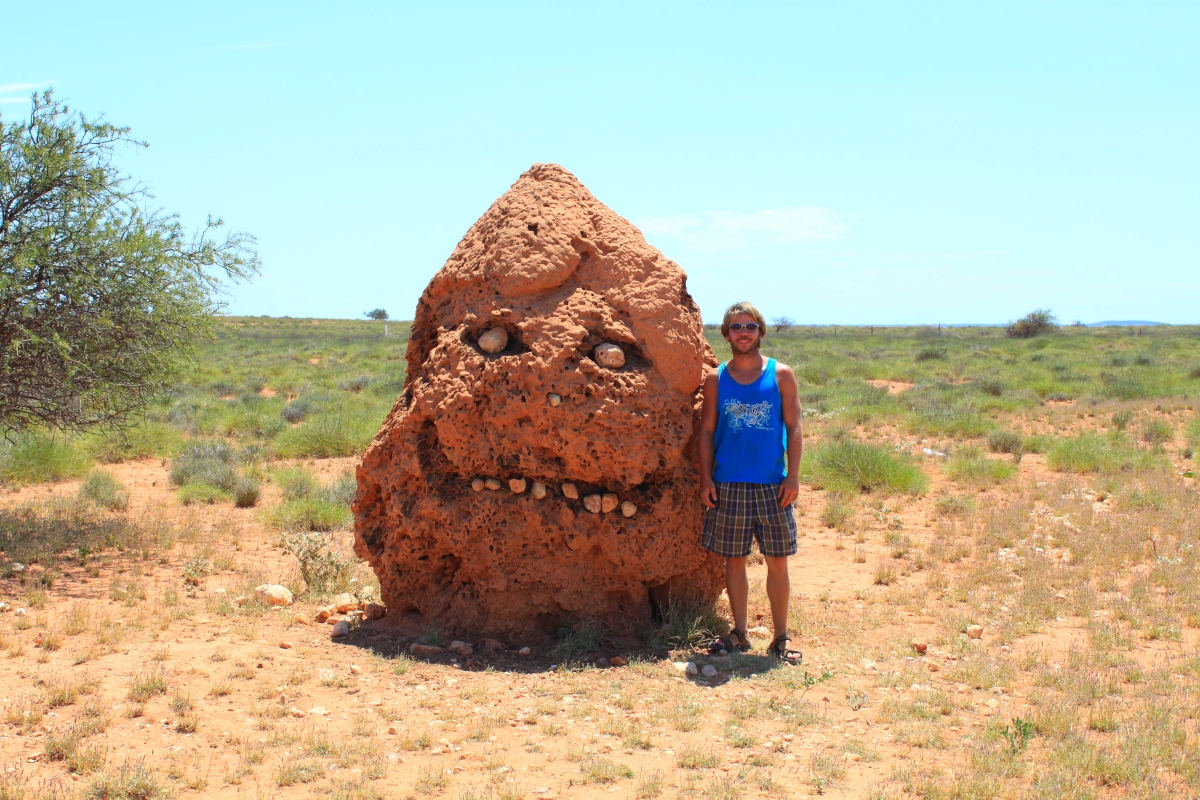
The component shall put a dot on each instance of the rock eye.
(609, 355)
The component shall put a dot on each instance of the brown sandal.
(780, 650)
(733, 642)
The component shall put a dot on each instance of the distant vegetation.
(1033, 324)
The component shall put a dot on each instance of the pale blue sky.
(837, 162)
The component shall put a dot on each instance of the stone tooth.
(628, 508)
(609, 355)
(539, 490)
(593, 503)
(570, 491)
(491, 484)
(609, 502)
(554, 399)
(517, 485)
(477, 485)
(493, 340)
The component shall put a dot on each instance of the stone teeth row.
(595, 503)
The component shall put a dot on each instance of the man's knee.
(776, 563)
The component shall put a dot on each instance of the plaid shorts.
(745, 511)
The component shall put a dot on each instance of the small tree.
(782, 323)
(1033, 324)
(377, 314)
(100, 295)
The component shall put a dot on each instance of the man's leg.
(738, 587)
(779, 591)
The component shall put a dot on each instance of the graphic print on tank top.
(743, 415)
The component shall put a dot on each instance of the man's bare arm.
(789, 394)
(708, 427)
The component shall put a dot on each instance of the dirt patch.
(893, 387)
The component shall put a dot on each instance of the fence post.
(385, 329)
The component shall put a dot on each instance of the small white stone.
(681, 666)
(628, 509)
(491, 484)
(609, 355)
(538, 491)
(493, 340)
(340, 628)
(709, 671)
(517, 485)
(592, 503)
(554, 399)
(570, 492)
(477, 485)
(691, 668)
(524, 651)
(609, 502)
(273, 594)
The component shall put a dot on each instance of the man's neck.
(747, 362)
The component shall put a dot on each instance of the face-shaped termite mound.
(540, 466)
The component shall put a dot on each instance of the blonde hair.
(744, 308)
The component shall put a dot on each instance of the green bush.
(202, 494)
(1092, 452)
(1002, 441)
(1033, 324)
(930, 354)
(852, 466)
(1193, 433)
(1038, 443)
(102, 489)
(1157, 432)
(246, 492)
(210, 463)
(837, 512)
(310, 514)
(296, 483)
(328, 436)
(41, 458)
(147, 440)
(324, 568)
(971, 466)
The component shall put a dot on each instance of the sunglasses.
(738, 326)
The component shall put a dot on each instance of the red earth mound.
(540, 466)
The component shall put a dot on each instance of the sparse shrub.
(685, 625)
(202, 494)
(1033, 324)
(246, 492)
(1121, 419)
(310, 514)
(837, 513)
(131, 781)
(953, 505)
(208, 463)
(322, 565)
(356, 384)
(930, 354)
(1005, 441)
(1156, 432)
(576, 640)
(296, 483)
(328, 436)
(41, 458)
(147, 439)
(1090, 452)
(104, 490)
(852, 466)
(298, 410)
(969, 465)
(993, 386)
(602, 770)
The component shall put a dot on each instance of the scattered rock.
(868, 664)
(524, 651)
(318, 711)
(1060, 597)
(681, 666)
(376, 611)
(493, 340)
(241, 600)
(325, 612)
(709, 671)
(609, 355)
(20, 612)
(332, 621)
(325, 674)
(285, 645)
(301, 620)
(628, 509)
(463, 649)
(618, 661)
(477, 485)
(425, 650)
(761, 631)
(592, 503)
(392, 731)
(975, 632)
(340, 628)
(4, 607)
(355, 669)
(345, 602)
(609, 502)
(517, 485)
(920, 645)
(491, 484)
(295, 712)
(570, 492)
(602, 662)
(691, 669)
(538, 491)
(932, 666)
(992, 703)
(492, 646)
(273, 594)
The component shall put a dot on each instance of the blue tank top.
(750, 440)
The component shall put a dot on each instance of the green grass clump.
(130, 781)
(1003, 441)
(329, 436)
(310, 514)
(207, 463)
(971, 466)
(576, 640)
(246, 492)
(102, 489)
(147, 440)
(1192, 433)
(202, 494)
(42, 458)
(851, 466)
(1090, 452)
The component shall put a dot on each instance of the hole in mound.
(533, 227)
(515, 346)
(635, 359)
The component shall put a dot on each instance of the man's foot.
(780, 650)
(733, 642)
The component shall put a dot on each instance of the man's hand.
(708, 493)
(789, 490)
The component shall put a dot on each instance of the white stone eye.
(609, 355)
(493, 340)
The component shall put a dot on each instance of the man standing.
(750, 446)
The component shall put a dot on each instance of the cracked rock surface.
(563, 276)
